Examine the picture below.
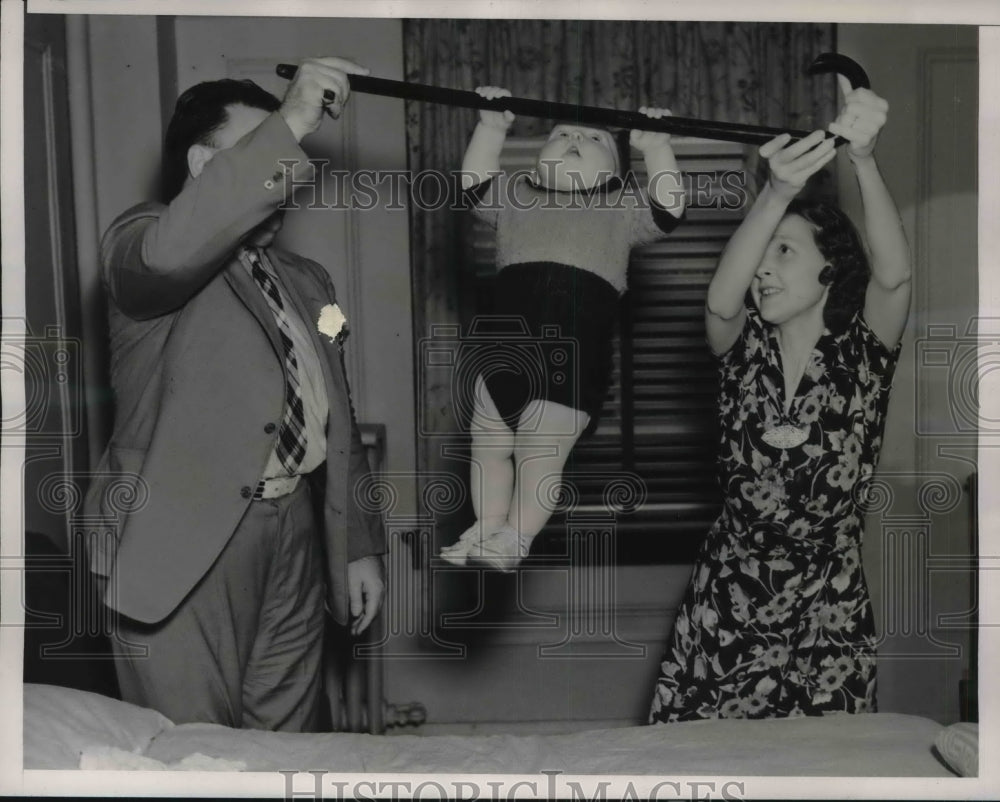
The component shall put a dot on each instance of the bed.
(70, 729)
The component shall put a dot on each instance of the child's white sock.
(503, 550)
(458, 551)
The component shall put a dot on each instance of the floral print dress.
(777, 620)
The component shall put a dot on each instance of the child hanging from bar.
(563, 238)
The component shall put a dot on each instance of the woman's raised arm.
(887, 300)
(790, 168)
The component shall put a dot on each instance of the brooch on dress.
(785, 435)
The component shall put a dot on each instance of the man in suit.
(234, 425)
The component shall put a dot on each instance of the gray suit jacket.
(198, 376)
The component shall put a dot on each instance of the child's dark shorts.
(550, 338)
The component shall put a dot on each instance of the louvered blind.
(659, 418)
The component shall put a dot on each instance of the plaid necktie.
(291, 437)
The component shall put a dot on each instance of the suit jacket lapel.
(309, 304)
(246, 289)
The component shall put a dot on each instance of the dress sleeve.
(870, 353)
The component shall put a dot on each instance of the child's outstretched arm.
(887, 301)
(666, 187)
(482, 156)
(790, 167)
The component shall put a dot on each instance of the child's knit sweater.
(590, 229)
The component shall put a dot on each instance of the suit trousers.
(244, 648)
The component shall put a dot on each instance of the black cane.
(595, 115)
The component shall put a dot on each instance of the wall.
(918, 542)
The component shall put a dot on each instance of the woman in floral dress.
(777, 620)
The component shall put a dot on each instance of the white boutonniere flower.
(332, 322)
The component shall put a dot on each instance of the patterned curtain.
(739, 72)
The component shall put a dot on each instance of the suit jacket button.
(268, 428)
(245, 491)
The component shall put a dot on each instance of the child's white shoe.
(458, 551)
(502, 550)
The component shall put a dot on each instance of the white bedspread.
(61, 725)
(860, 745)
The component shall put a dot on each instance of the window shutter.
(659, 420)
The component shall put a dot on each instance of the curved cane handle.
(848, 67)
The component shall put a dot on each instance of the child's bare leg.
(491, 474)
(539, 457)
(546, 434)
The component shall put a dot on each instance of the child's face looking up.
(576, 157)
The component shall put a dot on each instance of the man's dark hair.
(198, 114)
(840, 244)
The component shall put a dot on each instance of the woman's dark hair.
(840, 244)
(198, 114)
